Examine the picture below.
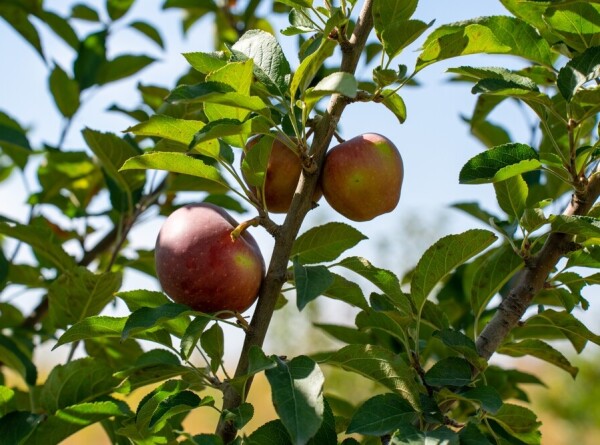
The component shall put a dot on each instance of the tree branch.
(534, 276)
(301, 204)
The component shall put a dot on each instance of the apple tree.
(511, 285)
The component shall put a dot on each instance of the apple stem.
(241, 228)
(262, 220)
(338, 137)
(242, 321)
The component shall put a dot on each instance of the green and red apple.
(199, 264)
(282, 175)
(362, 177)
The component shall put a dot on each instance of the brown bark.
(534, 276)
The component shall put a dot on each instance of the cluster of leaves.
(420, 342)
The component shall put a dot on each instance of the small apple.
(283, 172)
(362, 177)
(198, 263)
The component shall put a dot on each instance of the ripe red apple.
(362, 177)
(283, 172)
(198, 264)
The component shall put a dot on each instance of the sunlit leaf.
(443, 257)
(499, 163)
(297, 391)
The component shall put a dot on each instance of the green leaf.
(149, 31)
(450, 371)
(345, 334)
(17, 17)
(113, 152)
(541, 350)
(380, 365)
(178, 130)
(7, 400)
(75, 382)
(327, 433)
(335, 83)
(297, 390)
(258, 361)
(395, 104)
(489, 35)
(65, 91)
(271, 433)
(239, 76)
(118, 8)
(589, 256)
(232, 127)
(533, 219)
(192, 334)
(389, 322)
(578, 71)
(13, 140)
(136, 299)
(576, 22)
(409, 435)
(153, 367)
(256, 162)
(470, 435)
(80, 293)
(84, 12)
(177, 163)
(491, 274)
(552, 324)
(241, 415)
(309, 67)
(500, 163)
(147, 318)
(93, 327)
(61, 27)
(65, 422)
(43, 242)
(270, 65)
(518, 421)
(90, 58)
(398, 34)
(300, 23)
(122, 66)
(213, 343)
(384, 279)
(14, 358)
(387, 12)
(459, 342)
(381, 415)
(297, 3)
(218, 93)
(311, 281)
(206, 62)
(443, 257)
(325, 243)
(581, 226)
(486, 396)
(17, 426)
(347, 291)
(511, 195)
(149, 405)
(181, 402)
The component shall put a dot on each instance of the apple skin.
(199, 265)
(362, 177)
(283, 172)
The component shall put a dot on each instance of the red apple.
(198, 264)
(283, 172)
(362, 177)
